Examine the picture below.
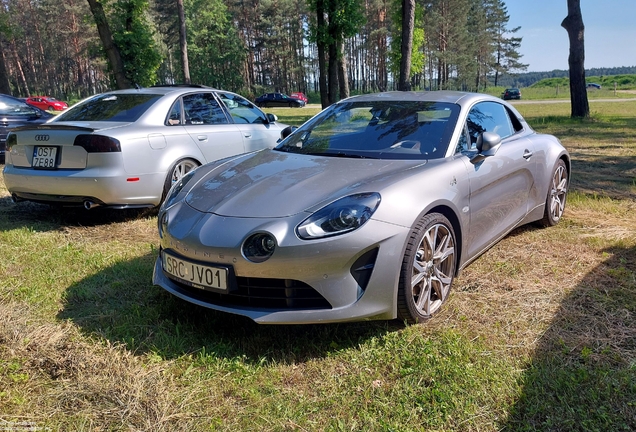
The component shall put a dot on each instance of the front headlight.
(176, 189)
(339, 217)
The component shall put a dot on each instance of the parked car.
(15, 112)
(301, 96)
(594, 86)
(512, 93)
(47, 103)
(278, 100)
(367, 211)
(126, 148)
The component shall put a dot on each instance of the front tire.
(428, 269)
(178, 170)
(557, 194)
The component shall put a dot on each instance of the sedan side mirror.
(271, 118)
(487, 145)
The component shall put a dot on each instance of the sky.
(610, 33)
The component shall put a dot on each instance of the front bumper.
(323, 270)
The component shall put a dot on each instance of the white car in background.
(124, 149)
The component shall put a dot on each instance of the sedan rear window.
(111, 107)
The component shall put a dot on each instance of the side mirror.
(487, 145)
(271, 118)
(287, 131)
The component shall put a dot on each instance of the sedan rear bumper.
(76, 187)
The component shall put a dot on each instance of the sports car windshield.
(111, 107)
(378, 130)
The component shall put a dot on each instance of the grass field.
(539, 333)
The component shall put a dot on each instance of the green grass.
(538, 335)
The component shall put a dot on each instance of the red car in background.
(299, 95)
(47, 103)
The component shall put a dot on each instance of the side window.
(203, 109)
(174, 117)
(241, 110)
(488, 117)
(464, 143)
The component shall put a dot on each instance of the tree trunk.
(333, 73)
(5, 87)
(114, 57)
(573, 23)
(408, 21)
(322, 55)
(183, 43)
(343, 79)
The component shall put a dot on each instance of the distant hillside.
(528, 78)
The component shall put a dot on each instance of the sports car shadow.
(121, 305)
(582, 375)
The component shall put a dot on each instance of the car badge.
(41, 137)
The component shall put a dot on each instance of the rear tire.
(557, 194)
(428, 269)
(178, 170)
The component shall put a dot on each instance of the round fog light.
(259, 247)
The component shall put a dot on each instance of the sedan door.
(500, 185)
(209, 128)
(258, 132)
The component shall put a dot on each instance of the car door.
(500, 184)
(258, 133)
(209, 128)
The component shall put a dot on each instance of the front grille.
(263, 293)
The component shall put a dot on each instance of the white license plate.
(44, 157)
(196, 275)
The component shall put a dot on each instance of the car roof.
(455, 97)
(165, 89)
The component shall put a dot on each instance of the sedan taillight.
(97, 143)
(12, 140)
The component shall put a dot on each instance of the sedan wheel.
(181, 168)
(557, 194)
(428, 269)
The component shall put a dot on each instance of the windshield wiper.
(339, 154)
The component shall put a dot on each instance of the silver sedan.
(367, 211)
(126, 148)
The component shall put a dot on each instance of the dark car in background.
(511, 93)
(47, 103)
(278, 100)
(594, 86)
(15, 112)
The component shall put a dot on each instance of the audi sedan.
(125, 149)
(369, 210)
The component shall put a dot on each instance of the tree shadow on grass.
(583, 375)
(121, 305)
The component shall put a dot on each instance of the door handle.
(247, 135)
(202, 137)
(527, 154)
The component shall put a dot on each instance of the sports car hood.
(271, 184)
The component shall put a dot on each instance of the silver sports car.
(367, 211)
(125, 148)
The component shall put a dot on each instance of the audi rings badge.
(41, 137)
